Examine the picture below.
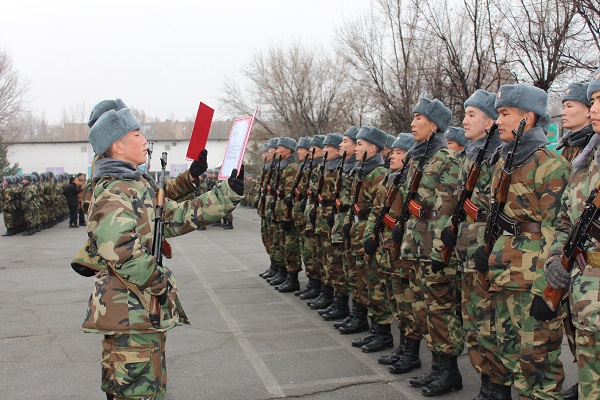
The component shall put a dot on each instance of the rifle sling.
(513, 227)
(129, 286)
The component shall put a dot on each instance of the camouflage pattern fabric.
(30, 205)
(344, 284)
(288, 242)
(134, 366)
(529, 348)
(311, 241)
(587, 346)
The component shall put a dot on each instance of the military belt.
(512, 227)
(593, 258)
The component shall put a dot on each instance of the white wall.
(76, 157)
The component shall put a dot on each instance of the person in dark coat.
(70, 192)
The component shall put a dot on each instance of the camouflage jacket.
(327, 193)
(120, 232)
(300, 199)
(585, 280)
(534, 195)
(437, 193)
(286, 185)
(310, 193)
(345, 200)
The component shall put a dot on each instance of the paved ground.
(247, 341)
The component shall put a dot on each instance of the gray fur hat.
(435, 111)
(273, 142)
(104, 106)
(525, 97)
(390, 140)
(456, 134)
(404, 141)
(317, 141)
(304, 143)
(594, 84)
(577, 92)
(288, 143)
(264, 148)
(110, 127)
(483, 100)
(351, 133)
(373, 135)
(333, 139)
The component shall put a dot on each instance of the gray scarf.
(589, 148)
(375, 161)
(391, 176)
(576, 139)
(349, 163)
(532, 140)
(286, 162)
(418, 150)
(333, 163)
(473, 148)
(113, 168)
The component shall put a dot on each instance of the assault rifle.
(498, 201)
(464, 202)
(265, 189)
(297, 180)
(389, 201)
(412, 194)
(359, 182)
(158, 240)
(311, 166)
(149, 149)
(277, 179)
(321, 180)
(574, 248)
(338, 184)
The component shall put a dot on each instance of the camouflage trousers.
(479, 329)
(435, 307)
(337, 275)
(379, 301)
(264, 234)
(290, 243)
(400, 298)
(305, 251)
(318, 255)
(588, 343)
(529, 348)
(349, 266)
(357, 273)
(8, 220)
(312, 255)
(332, 262)
(228, 217)
(275, 240)
(134, 366)
(570, 330)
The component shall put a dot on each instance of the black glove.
(330, 219)
(236, 181)
(481, 259)
(200, 165)
(437, 266)
(370, 247)
(448, 237)
(289, 202)
(397, 234)
(287, 226)
(312, 216)
(346, 230)
(556, 275)
(540, 310)
(302, 206)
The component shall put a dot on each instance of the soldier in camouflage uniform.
(576, 118)
(133, 363)
(477, 311)
(583, 281)
(287, 233)
(369, 143)
(30, 209)
(529, 334)
(8, 204)
(356, 321)
(267, 157)
(331, 255)
(434, 284)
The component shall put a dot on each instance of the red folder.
(200, 131)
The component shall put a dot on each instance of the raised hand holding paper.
(236, 147)
(200, 132)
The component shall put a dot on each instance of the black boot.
(329, 309)
(448, 379)
(429, 376)
(272, 268)
(485, 390)
(309, 285)
(9, 232)
(358, 323)
(349, 318)
(502, 392)
(291, 284)
(228, 225)
(279, 278)
(395, 355)
(383, 340)
(314, 291)
(217, 223)
(368, 338)
(326, 298)
(341, 310)
(572, 393)
(29, 232)
(110, 396)
(409, 360)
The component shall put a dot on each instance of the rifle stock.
(355, 196)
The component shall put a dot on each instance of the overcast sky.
(163, 57)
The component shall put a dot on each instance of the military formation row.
(462, 246)
(32, 202)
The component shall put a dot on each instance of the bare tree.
(12, 100)
(548, 40)
(589, 10)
